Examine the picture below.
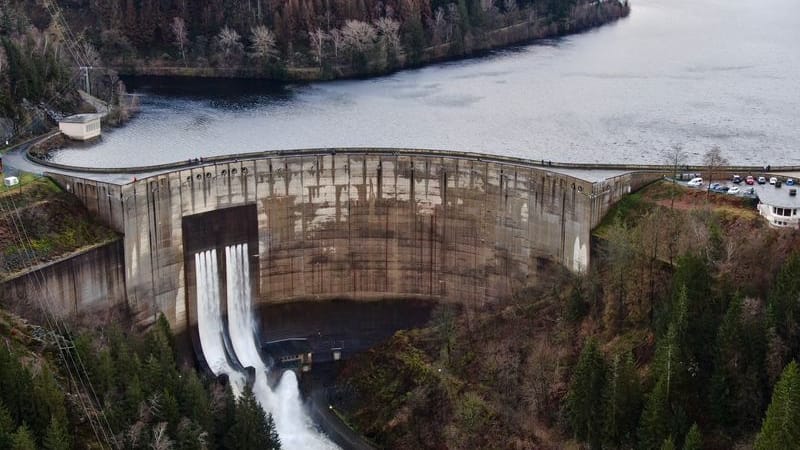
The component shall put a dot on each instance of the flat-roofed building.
(779, 205)
(81, 127)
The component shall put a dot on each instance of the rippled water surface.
(691, 72)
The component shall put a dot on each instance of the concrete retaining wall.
(91, 281)
(360, 225)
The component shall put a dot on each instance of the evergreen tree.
(664, 412)
(48, 402)
(193, 400)
(577, 307)
(668, 444)
(784, 304)
(190, 436)
(98, 364)
(781, 427)
(169, 410)
(23, 439)
(693, 440)
(251, 430)
(56, 437)
(272, 434)
(224, 407)
(15, 386)
(622, 400)
(654, 425)
(739, 378)
(131, 399)
(584, 402)
(6, 427)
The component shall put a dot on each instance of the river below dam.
(696, 73)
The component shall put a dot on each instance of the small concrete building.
(81, 127)
(779, 205)
(292, 353)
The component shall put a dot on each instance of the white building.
(81, 127)
(779, 206)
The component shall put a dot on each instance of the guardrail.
(134, 170)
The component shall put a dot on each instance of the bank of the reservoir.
(524, 26)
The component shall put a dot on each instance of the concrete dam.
(211, 243)
(360, 224)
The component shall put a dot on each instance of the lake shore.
(584, 17)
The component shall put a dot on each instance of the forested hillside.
(327, 38)
(685, 334)
(39, 76)
(139, 397)
(32, 70)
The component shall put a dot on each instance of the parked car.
(737, 179)
(734, 190)
(695, 182)
(715, 186)
(750, 180)
(790, 181)
(762, 180)
(773, 180)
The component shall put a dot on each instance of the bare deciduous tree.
(453, 18)
(675, 157)
(161, 440)
(178, 28)
(389, 30)
(2, 59)
(263, 44)
(438, 26)
(510, 6)
(713, 160)
(229, 42)
(359, 36)
(316, 40)
(90, 55)
(337, 39)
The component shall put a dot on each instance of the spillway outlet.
(289, 354)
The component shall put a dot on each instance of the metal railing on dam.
(363, 224)
(386, 151)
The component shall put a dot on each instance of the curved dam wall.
(357, 224)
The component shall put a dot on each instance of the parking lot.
(742, 188)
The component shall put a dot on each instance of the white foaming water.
(209, 319)
(295, 428)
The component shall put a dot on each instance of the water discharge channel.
(229, 350)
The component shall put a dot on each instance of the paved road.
(337, 430)
(17, 160)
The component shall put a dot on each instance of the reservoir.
(695, 73)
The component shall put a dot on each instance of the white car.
(773, 180)
(695, 182)
(734, 190)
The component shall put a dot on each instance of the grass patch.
(628, 210)
(55, 223)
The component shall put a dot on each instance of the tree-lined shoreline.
(306, 43)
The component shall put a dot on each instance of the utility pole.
(88, 87)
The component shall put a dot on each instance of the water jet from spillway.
(295, 427)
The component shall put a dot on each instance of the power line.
(66, 348)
